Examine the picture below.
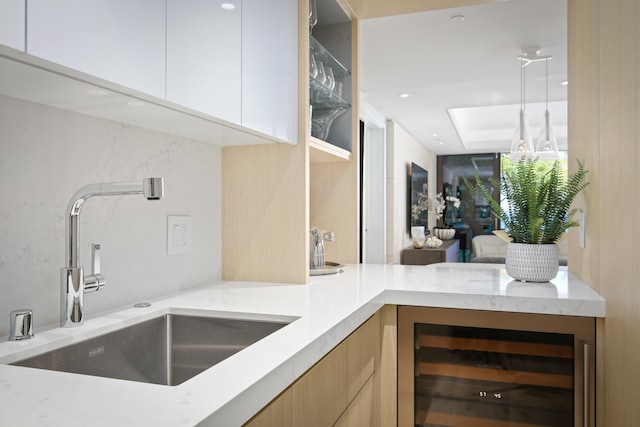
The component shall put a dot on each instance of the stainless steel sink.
(165, 350)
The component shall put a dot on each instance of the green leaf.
(539, 199)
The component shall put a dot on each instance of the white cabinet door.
(12, 28)
(204, 45)
(122, 41)
(270, 67)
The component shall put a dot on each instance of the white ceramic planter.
(531, 262)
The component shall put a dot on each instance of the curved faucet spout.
(151, 188)
(72, 284)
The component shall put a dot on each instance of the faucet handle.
(95, 258)
(21, 325)
(96, 281)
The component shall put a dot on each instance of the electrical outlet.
(582, 219)
(178, 234)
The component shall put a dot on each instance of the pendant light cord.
(522, 85)
(546, 71)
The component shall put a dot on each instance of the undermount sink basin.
(166, 350)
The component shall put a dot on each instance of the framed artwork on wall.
(418, 196)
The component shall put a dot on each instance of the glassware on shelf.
(324, 99)
(313, 15)
(322, 76)
(322, 54)
(330, 82)
(313, 67)
(338, 89)
(322, 121)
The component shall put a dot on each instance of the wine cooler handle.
(585, 383)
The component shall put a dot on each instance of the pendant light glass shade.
(547, 145)
(522, 143)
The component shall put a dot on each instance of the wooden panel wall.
(604, 130)
(264, 213)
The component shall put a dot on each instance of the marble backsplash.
(46, 154)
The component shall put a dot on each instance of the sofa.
(490, 248)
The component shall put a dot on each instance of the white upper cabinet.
(122, 41)
(234, 61)
(12, 21)
(270, 67)
(204, 54)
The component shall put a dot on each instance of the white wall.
(402, 150)
(46, 154)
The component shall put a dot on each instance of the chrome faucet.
(74, 283)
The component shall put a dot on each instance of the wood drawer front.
(360, 411)
(326, 390)
(276, 414)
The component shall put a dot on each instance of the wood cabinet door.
(360, 411)
(327, 389)
(276, 414)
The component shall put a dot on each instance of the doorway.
(373, 184)
(473, 217)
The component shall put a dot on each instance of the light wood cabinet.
(117, 40)
(361, 411)
(276, 414)
(338, 390)
(12, 19)
(327, 389)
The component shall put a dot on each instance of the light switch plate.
(178, 234)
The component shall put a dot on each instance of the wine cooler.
(469, 368)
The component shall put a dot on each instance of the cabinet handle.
(585, 384)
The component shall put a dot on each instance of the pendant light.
(522, 144)
(547, 146)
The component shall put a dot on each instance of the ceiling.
(463, 75)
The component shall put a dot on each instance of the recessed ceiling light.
(136, 104)
(404, 95)
(440, 142)
(435, 135)
(564, 82)
(457, 18)
(96, 92)
(228, 6)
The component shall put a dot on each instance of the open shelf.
(323, 152)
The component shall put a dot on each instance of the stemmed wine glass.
(313, 15)
(313, 67)
(322, 76)
(330, 82)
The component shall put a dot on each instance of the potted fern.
(537, 215)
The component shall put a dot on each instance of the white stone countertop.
(326, 310)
